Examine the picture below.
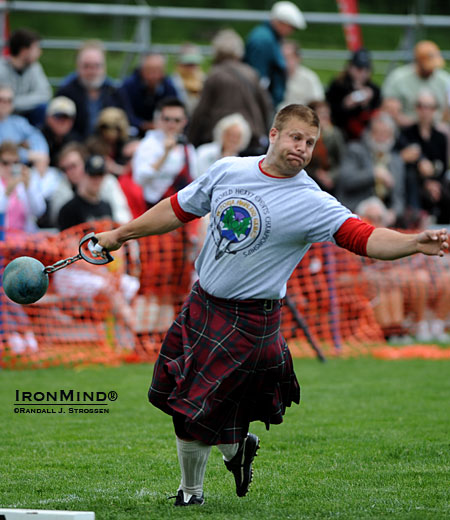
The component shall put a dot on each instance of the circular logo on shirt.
(237, 224)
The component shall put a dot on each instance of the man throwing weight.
(224, 362)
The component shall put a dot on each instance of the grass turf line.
(370, 440)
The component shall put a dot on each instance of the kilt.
(223, 364)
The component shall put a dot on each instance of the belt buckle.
(268, 305)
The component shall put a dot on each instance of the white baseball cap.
(289, 13)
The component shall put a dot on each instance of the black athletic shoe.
(241, 464)
(184, 499)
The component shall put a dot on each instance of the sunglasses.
(105, 126)
(67, 167)
(426, 106)
(8, 163)
(6, 99)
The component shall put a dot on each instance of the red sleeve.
(353, 235)
(181, 215)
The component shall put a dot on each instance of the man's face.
(292, 147)
(6, 103)
(426, 109)
(152, 70)
(33, 53)
(172, 120)
(60, 124)
(91, 68)
(72, 164)
(8, 160)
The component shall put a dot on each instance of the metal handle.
(105, 257)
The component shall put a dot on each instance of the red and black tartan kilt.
(223, 364)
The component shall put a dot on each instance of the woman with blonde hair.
(231, 136)
(112, 130)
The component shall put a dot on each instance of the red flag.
(352, 31)
(4, 28)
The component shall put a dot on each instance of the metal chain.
(62, 263)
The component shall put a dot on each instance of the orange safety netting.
(337, 303)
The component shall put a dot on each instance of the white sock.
(228, 450)
(193, 457)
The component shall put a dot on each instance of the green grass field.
(370, 440)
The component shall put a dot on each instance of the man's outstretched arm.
(387, 244)
(156, 221)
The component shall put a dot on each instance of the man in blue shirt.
(146, 87)
(32, 145)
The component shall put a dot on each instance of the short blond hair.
(302, 112)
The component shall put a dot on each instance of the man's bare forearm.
(156, 221)
(387, 244)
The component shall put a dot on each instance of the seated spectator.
(58, 126)
(189, 77)
(146, 87)
(425, 152)
(371, 166)
(22, 72)
(329, 150)
(303, 85)
(71, 162)
(406, 82)
(231, 86)
(231, 134)
(21, 199)
(413, 285)
(91, 90)
(164, 162)
(86, 204)
(132, 190)
(111, 133)
(353, 96)
(33, 147)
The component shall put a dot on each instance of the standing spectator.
(71, 162)
(231, 135)
(405, 83)
(371, 166)
(263, 47)
(353, 96)
(231, 86)
(21, 199)
(91, 90)
(146, 87)
(111, 133)
(57, 129)
(164, 162)
(424, 149)
(303, 84)
(22, 71)
(32, 145)
(86, 204)
(189, 77)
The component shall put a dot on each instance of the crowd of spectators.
(100, 147)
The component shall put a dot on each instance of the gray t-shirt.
(260, 226)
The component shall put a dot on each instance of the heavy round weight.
(25, 280)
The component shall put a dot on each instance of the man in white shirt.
(164, 162)
(303, 84)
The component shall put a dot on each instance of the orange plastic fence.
(338, 302)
